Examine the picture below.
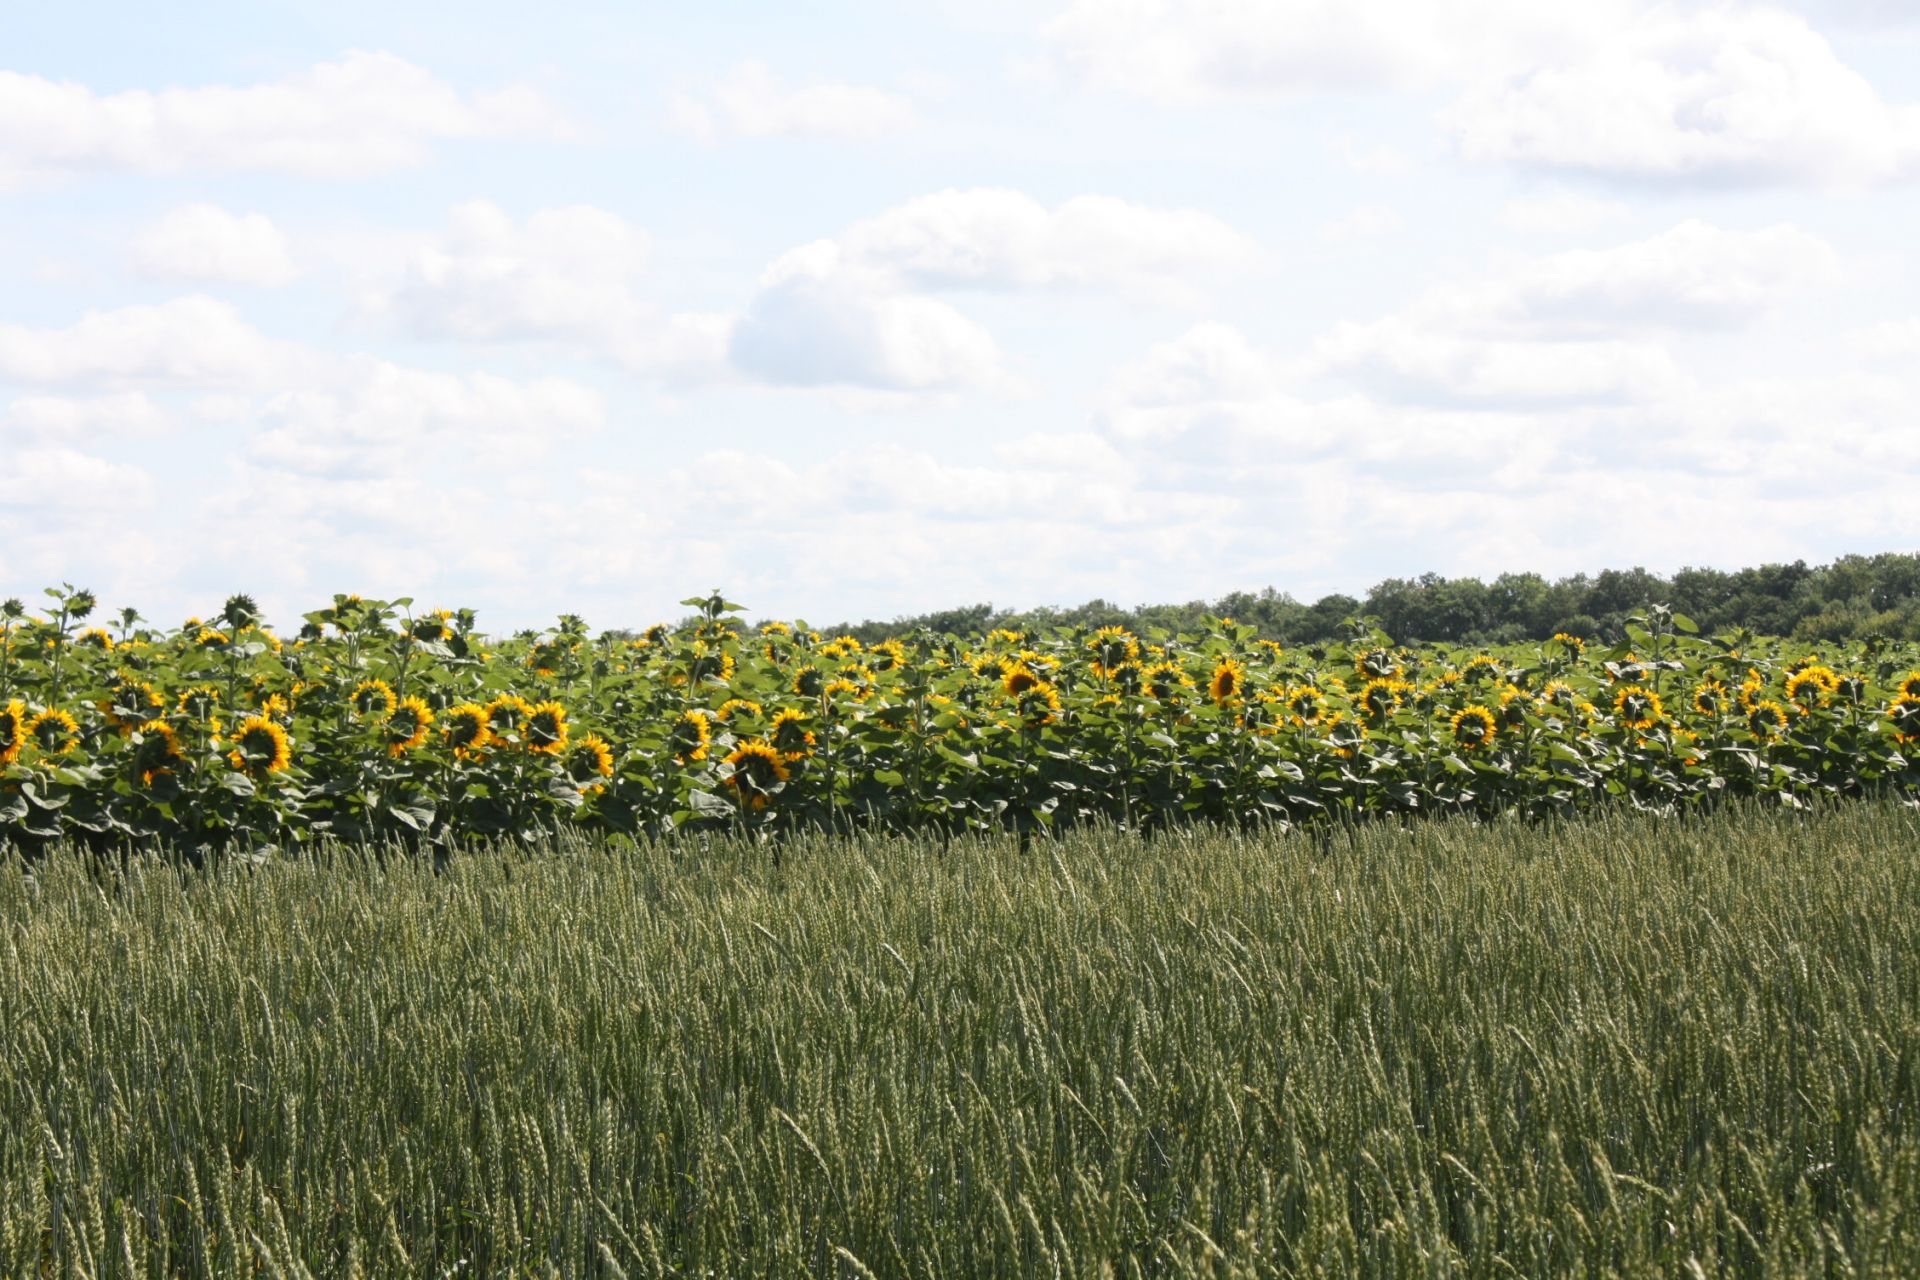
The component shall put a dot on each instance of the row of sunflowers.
(374, 722)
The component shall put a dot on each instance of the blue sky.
(880, 308)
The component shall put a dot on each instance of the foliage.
(1622, 1046)
(379, 724)
(1854, 598)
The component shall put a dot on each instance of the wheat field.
(1616, 1046)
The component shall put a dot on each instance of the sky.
(866, 309)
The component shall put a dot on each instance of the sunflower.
(1574, 644)
(690, 736)
(1377, 664)
(1038, 705)
(158, 750)
(407, 726)
(1909, 685)
(1904, 711)
(758, 767)
(1165, 681)
(1228, 682)
(546, 729)
(1001, 635)
(1306, 704)
(95, 638)
(373, 700)
(808, 682)
(13, 731)
(1018, 680)
(1112, 648)
(737, 706)
(1709, 697)
(888, 655)
(1811, 688)
(790, 734)
(590, 758)
(838, 648)
(129, 703)
(1766, 719)
(198, 702)
(508, 712)
(1559, 695)
(54, 732)
(211, 639)
(1381, 698)
(992, 666)
(260, 746)
(468, 729)
(1638, 707)
(776, 629)
(1472, 727)
(845, 688)
(709, 663)
(1852, 688)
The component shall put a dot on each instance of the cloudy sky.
(891, 306)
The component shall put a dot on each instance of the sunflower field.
(376, 722)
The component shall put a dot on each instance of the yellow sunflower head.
(1165, 681)
(1112, 648)
(506, 713)
(157, 750)
(95, 638)
(590, 758)
(260, 746)
(1306, 704)
(1811, 688)
(1710, 697)
(758, 770)
(407, 726)
(373, 700)
(1228, 682)
(1473, 727)
(1637, 707)
(1381, 698)
(888, 655)
(1909, 685)
(1766, 719)
(737, 707)
(13, 730)
(1018, 680)
(790, 734)
(689, 737)
(1038, 704)
(545, 729)
(53, 731)
(1904, 712)
(808, 682)
(468, 729)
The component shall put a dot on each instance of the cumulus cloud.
(76, 419)
(751, 102)
(362, 114)
(1715, 94)
(817, 321)
(193, 341)
(568, 272)
(203, 243)
(1718, 95)
(1562, 213)
(853, 310)
(1244, 50)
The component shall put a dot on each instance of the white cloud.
(569, 272)
(1716, 95)
(1562, 213)
(362, 114)
(193, 341)
(205, 243)
(1710, 93)
(851, 312)
(752, 103)
(374, 419)
(818, 322)
(1246, 50)
(992, 238)
(68, 480)
(1362, 222)
(75, 419)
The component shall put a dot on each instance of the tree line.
(1854, 597)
